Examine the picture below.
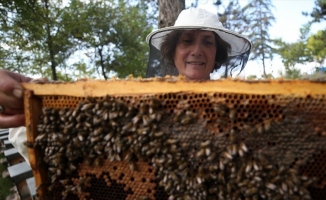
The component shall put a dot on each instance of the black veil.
(157, 66)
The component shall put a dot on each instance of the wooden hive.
(169, 138)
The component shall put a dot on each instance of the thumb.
(10, 83)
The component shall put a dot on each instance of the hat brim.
(239, 43)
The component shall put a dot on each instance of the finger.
(10, 83)
(11, 104)
(12, 121)
(8, 112)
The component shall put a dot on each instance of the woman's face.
(195, 54)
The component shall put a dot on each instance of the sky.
(289, 20)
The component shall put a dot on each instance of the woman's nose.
(197, 49)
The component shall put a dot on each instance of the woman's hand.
(11, 99)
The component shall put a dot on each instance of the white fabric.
(17, 136)
(197, 18)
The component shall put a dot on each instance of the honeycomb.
(173, 139)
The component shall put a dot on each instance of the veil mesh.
(157, 66)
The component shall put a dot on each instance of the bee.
(86, 106)
(183, 166)
(168, 186)
(89, 161)
(95, 139)
(158, 134)
(172, 141)
(159, 161)
(200, 153)
(96, 121)
(136, 119)
(40, 138)
(98, 162)
(177, 117)
(220, 177)
(284, 187)
(29, 144)
(232, 114)
(248, 167)
(221, 165)
(251, 191)
(220, 109)
(271, 186)
(227, 155)
(158, 116)
(205, 144)
(267, 125)
(232, 135)
(127, 127)
(259, 128)
(211, 157)
(98, 131)
(207, 151)
(186, 120)
(46, 111)
(143, 198)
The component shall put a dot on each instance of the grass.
(5, 183)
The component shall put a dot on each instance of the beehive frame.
(285, 120)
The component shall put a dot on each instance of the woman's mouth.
(195, 63)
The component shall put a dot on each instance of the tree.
(56, 39)
(169, 11)
(319, 11)
(112, 35)
(316, 45)
(291, 73)
(259, 17)
(36, 41)
(233, 19)
(295, 53)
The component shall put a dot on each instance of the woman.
(195, 46)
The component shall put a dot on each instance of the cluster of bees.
(190, 161)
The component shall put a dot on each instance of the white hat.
(196, 18)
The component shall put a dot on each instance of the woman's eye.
(208, 43)
(187, 41)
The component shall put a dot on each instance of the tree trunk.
(102, 63)
(49, 41)
(169, 11)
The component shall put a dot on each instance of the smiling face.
(195, 54)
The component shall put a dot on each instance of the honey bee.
(86, 106)
(143, 198)
(29, 144)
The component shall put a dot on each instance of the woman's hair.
(169, 45)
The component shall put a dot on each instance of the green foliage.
(5, 183)
(252, 77)
(112, 34)
(292, 73)
(319, 11)
(316, 45)
(97, 37)
(295, 53)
